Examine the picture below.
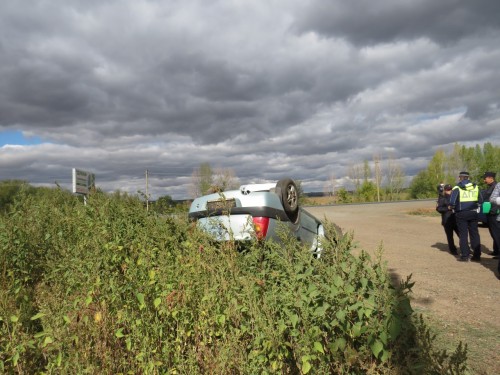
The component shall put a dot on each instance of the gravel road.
(463, 298)
(456, 292)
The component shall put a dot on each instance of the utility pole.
(377, 176)
(147, 194)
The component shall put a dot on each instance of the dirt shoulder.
(464, 298)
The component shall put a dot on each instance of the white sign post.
(82, 182)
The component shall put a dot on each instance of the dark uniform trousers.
(450, 226)
(494, 228)
(467, 227)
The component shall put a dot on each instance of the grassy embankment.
(110, 288)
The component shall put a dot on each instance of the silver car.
(257, 211)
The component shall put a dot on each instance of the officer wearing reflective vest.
(493, 224)
(464, 201)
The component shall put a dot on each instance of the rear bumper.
(270, 212)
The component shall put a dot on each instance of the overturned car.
(256, 211)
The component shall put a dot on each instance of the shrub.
(109, 288)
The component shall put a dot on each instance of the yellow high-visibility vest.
(469, 194)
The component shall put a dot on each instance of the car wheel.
(289, 197)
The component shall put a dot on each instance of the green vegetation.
(110, 288)
(386, 184)
(446, 167)
(206, 180)
(165, 205)
(8, 191)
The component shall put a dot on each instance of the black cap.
(447, 187)
(463, 174)
(489, 174)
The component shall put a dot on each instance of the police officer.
(448, 220)
(464, 201)
(495, 205)
(493, 224)
(440, 189)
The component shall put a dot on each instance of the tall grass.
(107, 288)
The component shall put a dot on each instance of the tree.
(470, 158)
(425, 183)
(422, 186)
(225, 179)
(367, 172)
(367, 192)
(395, 179)
(202, 180)
(454, 163)
(446, 167)
(378, 175)
(343, 196)
(491, 158)
(163, 204)
(355, 173)
(365, 189)
(436, 168)
(206, 180)
(329, 187)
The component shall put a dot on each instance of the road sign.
(82, 181)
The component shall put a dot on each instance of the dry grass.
(424, 212)
(319, 201)
(482, 342)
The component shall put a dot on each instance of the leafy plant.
(110, 288)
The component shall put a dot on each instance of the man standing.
(448, 220)
(465, 200)
(493, 224)
(440, 189)
(495, 205)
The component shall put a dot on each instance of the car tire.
(289, 197)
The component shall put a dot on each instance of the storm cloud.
(265, 88)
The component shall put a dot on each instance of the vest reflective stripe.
(469, 194)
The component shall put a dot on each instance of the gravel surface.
(462, 299)
(456, 292)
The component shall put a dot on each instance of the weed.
(110, 288)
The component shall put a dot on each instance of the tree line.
(444, 167)
(377, 180)
(370, 181)
(386, 180)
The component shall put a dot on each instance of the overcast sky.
(267, 88)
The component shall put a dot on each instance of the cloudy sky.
(267, 88)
